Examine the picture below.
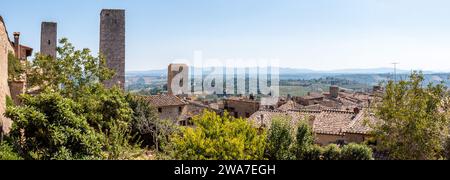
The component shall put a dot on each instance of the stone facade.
(5, 47)
(241, 107)
(112, 44)
(48, 38)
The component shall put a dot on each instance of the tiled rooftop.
(332, 122)
(165, 100)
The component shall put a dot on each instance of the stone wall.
(170, 113)
(5, 47)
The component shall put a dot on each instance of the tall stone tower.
(112, 44)
(48, 38)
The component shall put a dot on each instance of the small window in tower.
(49, 42)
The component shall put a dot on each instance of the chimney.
(17, 44)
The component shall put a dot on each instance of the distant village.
(338, 116)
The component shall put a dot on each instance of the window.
(180, 109)
(247, 115)
(49, 42)
(160, 110)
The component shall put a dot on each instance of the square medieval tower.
(49, 38)
(112, 44)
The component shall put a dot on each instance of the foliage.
(70, 72)
(15, 67)
(279, 139)
(312, 152)
(303, 141)
(74, 116)
(332, 152)
(281, 146)
(103, 107)
(414, 126)
(7, 152)
(143, 119)
(9, 101)
(356, 152)
(117, 144)
(53, 128)
(218, 137)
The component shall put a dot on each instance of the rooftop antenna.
(395, 71)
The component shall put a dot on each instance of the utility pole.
(395, 71)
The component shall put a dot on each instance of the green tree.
(15, 67)
(312, 153)
(71, 71)
(218, 137)
(414, 124)
(7, 152)
(147, 125)
(332, 152)
(53, 128)
(74, 116)
(279, 139)
(303, 141)
(356, 152)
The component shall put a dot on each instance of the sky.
(311, 34)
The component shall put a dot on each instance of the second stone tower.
(112, 44)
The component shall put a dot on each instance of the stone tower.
(334, 91)
(112, 44)
(48, 38)
(178, 79)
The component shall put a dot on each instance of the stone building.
(49, 34)
(241, 107)
(329, 126)
(112, 44)
(10, 87)
(169, 107)
(18, 85)
(310, 99)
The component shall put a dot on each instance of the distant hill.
(293, 71)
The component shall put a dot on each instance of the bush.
(49, 126)
(356, 152)
(218, 137)
(279, 139)
(15, 67)
(303, 141)
(8, 153)
(332, 152)
(313, 153)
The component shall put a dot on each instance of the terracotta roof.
(165, 100)
(313, 95)
(290, 105)
(332, 122)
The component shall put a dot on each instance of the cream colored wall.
(170, 113)
(5, 47)
(325, 139)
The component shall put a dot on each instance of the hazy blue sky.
(316, 34)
